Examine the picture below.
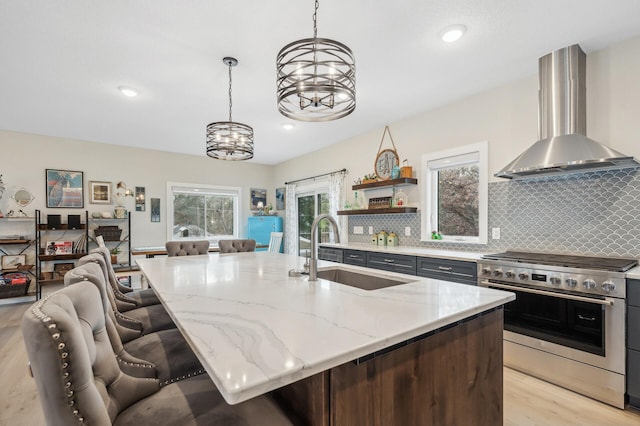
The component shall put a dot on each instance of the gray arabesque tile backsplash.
(596, 213)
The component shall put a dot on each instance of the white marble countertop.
(256, 329)
(411, 251)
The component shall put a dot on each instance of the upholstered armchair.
(235, 246)
(145, 319)
(187, 248)
(79, 379)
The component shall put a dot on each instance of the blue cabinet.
(261, 227)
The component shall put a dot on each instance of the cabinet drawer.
(633, 327)
(392, 262)
(330, 254)
(633, 292)
(355, 257)
(458, 271)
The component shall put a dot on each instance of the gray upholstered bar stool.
(145, 319)
(79, 379)
(133, 299)
(187, 248)
(235, 246)
(164, 354)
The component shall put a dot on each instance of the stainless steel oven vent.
(562, 118)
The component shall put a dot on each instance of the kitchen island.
(338, 354)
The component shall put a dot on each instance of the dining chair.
(235, 246)
(275, 242)
(187, 248)
(79, 379)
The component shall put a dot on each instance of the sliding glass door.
(311, 204)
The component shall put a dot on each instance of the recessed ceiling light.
(288, 126)
(452, 33)
(128, 91)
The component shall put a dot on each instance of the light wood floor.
(527, 401)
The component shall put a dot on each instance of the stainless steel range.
(567, 324)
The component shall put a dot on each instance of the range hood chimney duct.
(562, 117)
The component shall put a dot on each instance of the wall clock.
(385, 160)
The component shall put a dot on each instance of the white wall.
(24, 158)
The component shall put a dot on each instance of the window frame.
(198, 188)
(429, 191)
(314, 189)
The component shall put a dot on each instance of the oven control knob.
(571, 282)
(555, 280)
(509, 274)
(486, 270)
(497, 272)
(589, 284)
(608, 286)
(523, 275)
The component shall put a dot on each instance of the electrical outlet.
(407, 231)
(358, 230)
(371, 230)
(495, 233)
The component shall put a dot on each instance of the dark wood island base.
(452, 376)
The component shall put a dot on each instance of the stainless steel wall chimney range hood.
(562, 117)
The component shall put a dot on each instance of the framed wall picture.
(140, 204)
(280, 199)
(13, 261)
(99, 192)
(258, 196)
(155, 210)
(64, 188)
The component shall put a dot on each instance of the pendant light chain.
(230, 103)
(315, 18)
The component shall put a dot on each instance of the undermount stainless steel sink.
(360, 280)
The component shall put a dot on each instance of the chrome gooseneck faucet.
(313, 264)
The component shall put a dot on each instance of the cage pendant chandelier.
(316, 78)
(229, 140)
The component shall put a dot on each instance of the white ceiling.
(61, 62)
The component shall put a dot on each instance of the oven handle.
(548, 293)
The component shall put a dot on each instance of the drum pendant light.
(316, 78)
(229, 140)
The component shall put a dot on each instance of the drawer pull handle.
(389, 260)
(582, 317)
(445, 268)
(353, 256)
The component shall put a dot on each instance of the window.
(455, 196)
(202, 211)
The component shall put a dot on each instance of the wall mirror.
(22, 197)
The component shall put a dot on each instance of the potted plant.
(114, 255)
(370, 178)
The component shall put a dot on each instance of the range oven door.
(582, 328)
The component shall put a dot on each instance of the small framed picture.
(13, 261)
(99, 192)
(155, 210)
(64, 188)
(280, 199)
(258, 198)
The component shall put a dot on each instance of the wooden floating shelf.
(383, 183)
(61, 227)
(390, 210)
(15, 241)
